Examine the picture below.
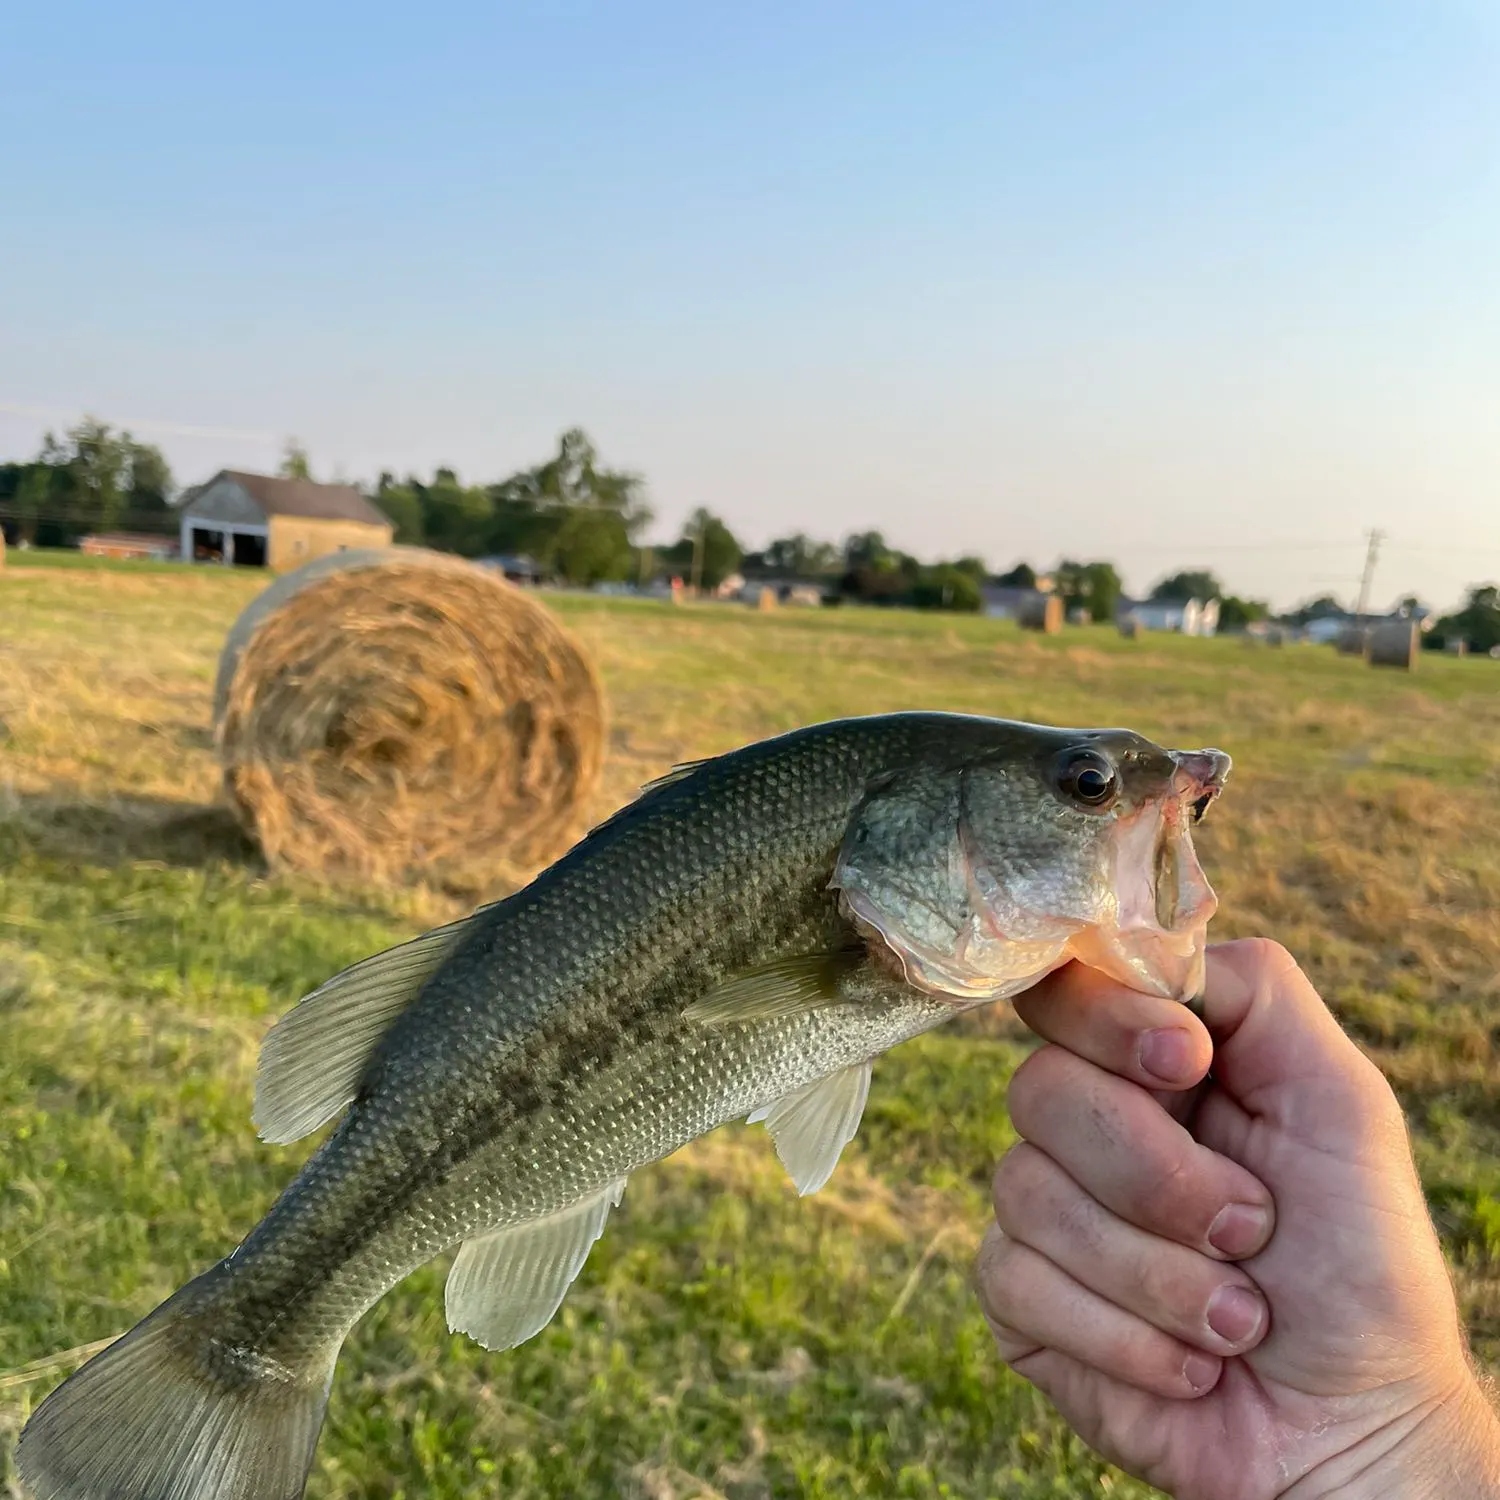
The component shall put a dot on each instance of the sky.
(1175, 285)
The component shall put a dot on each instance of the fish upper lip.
(1200, 771)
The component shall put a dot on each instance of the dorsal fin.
(678, 773)
(312, 1058)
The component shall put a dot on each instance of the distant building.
(253, 520)
(1003, 601)
(1326, 629)
(1179, 616)
(129, 544)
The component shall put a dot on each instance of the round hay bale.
(1130, 627)
(1042, 612)
(1393, 643)
(383, 714)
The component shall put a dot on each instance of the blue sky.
(1173, 284)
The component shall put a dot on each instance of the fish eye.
(1088, 778)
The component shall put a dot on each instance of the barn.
(253, 520)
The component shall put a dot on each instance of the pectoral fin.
(813, 1125)
(783, 987)
(506, 1286)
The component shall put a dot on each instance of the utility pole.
(1372, 551)
(698, 556)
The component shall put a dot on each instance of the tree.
(1193, 584)
(573, 476)
(150, 480)
(947, 586)
(876, 572)
(93, 478)
(1478, 622)
(592, 546)
(456, 517)
(799, 556)
(706, 538)
(1236, 613)
(1092, 586)
(1321, 608)
(294, 461)
(1022, 576)
(868, 549)
(529, 510)
(403, 505)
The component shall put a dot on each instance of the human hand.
(1231, 1289)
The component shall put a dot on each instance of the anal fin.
(506, 1286)
(812, 1125)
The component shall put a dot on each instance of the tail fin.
(169, 1413)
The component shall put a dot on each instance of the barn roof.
(303, 497)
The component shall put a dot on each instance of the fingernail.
(1240, 1229)
(1235, 1313)
(1168, 1055)
(1201, 1371)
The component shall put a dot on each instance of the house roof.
(311, 501)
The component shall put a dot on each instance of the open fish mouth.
(1158, 936)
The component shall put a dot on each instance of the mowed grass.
(725, 1339)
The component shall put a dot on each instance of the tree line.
(581, 522)
(93, 478)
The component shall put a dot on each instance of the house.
(252, 520)
(129, 544)
(1181, 616)
(1003, 601)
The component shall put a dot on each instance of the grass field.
(725, 1339)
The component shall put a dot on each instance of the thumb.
(1280, 1054)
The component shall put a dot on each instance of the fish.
(738, 943)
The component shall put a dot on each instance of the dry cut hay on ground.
(386, 714)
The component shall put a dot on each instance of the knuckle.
(1031, 1086)
(1166, 1184)
(1017, 1178)
(1167, 1297)
(1265, 956)
(1079, 1226)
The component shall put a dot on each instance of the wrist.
(1447, 1449)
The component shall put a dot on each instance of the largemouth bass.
(740, 942)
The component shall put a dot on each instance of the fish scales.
(580, 1052)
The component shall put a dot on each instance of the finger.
(1282, 1055)
(1032, 1305)
(1151, 1040)
(1113, 1139)
(1101, 1410)
(1197, 1300)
